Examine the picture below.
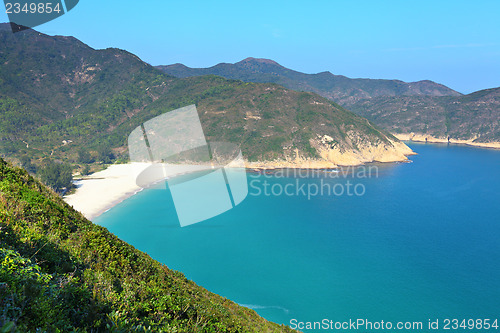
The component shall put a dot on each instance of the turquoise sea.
(421, 242)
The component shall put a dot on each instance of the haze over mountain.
(424, 108)
(338, 88)
(57, 94)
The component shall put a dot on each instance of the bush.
(86, 170)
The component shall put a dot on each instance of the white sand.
(104, 189)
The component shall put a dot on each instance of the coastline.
(335, 157)
(101, 191)
(431, 139)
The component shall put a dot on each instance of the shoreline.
(99, 192)
(431, 139)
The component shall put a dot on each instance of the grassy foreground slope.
(60, 273)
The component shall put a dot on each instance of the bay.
(418, 241)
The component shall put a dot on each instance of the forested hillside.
(474, 116)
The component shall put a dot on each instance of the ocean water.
(412, 242)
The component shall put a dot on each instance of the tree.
(105, 154)
(27, 165)
(86, 170)
(84, 156)
(56, 175)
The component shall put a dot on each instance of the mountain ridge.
(338, 88)
(422, 109)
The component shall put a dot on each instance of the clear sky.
(456, 43)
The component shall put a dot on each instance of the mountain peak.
(258, 60)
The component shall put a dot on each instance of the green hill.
(423, 107)
(60, 273)
(57, 95)
(470, 117)
(56, 92)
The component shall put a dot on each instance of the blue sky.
(456, 43)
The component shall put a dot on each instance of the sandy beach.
(431, 139)
(102, 190)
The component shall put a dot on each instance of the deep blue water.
(423, 242)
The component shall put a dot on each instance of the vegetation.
(57, 176)
(61, 273)
(104, 154)
(86, 170)
(27, 165)
(84, 156)
(474, 116)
